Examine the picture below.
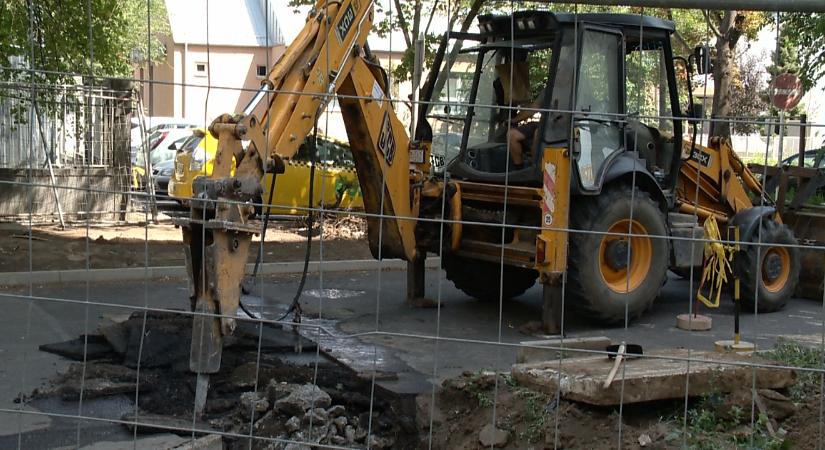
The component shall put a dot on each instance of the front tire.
(482, 279)
(611, 275)
(770, 274)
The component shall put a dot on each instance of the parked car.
(154, 124)
(161, 173)
(811, 158)
(163, 145)
(336, 177)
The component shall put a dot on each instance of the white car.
(163, 145)
(154, 124)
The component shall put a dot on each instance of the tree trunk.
(453, 54)
(722, 75)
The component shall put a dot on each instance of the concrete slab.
(112, 329)
(550, 349)
(208, 442)
(648, 379)
(90, 348)
(156, 423)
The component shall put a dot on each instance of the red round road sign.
(786, 91)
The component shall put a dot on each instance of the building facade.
(216, 58)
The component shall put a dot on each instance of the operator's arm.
(525, 114)
(529, 110)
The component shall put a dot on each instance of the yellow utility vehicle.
(336, 185)
(609, 196)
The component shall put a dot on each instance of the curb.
(153, 273)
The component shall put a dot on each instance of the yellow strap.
(717, 264)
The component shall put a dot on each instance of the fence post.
(49, 166)
(803, 119)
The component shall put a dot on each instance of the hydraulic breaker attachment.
(217, 237)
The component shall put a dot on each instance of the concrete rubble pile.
(304, 413)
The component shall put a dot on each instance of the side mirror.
(704, 64)
(173, 146)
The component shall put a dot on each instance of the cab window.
(648, 95)
(598, 102)
(598, 90)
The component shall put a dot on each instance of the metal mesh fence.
(548, 244)
(65, 147)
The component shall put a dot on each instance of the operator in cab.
(512, 89)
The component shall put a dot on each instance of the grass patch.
(793, 354)
(534, 414)
(707, 430)
(484, 400)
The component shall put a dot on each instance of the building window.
(200, 69)
(261, 71)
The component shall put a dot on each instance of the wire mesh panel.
(427, 224)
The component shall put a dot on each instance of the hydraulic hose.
(295, 305)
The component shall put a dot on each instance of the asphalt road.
(359, 317)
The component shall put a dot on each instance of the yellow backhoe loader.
(605, 201)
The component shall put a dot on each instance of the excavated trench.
(273, 384)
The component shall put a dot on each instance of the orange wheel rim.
(623, 272)
(775, 278)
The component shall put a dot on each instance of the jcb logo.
(701, 157)
(386, 140)
(345, 24)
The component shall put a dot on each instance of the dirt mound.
(524, 418)
(110, 247)
(531, 419)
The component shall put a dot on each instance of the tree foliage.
(749, 91)
(803, 37)
(413, 18)
(59, 38)
(738, 87)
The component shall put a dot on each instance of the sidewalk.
(153, 273)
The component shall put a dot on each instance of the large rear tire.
(482, 279)
(611, 276)
(770, 274)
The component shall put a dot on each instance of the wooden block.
(693, 322)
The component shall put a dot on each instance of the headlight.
(167, 172)
(198, 160)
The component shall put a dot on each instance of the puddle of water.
(332, 294)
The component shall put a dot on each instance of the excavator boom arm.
(328, 58)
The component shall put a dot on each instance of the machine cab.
(602, 85)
